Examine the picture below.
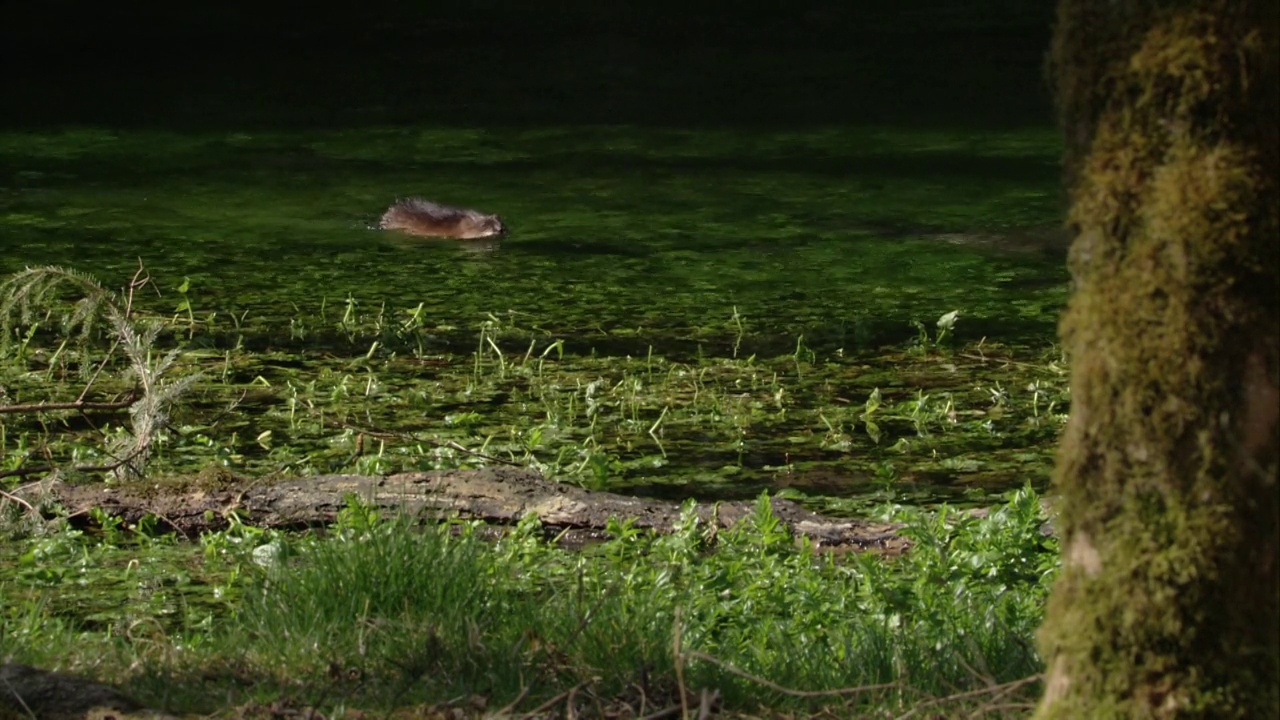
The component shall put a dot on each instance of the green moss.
(1163, 609)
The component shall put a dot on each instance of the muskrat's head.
(479, 225)
(490, 225)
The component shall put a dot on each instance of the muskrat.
(423, 217)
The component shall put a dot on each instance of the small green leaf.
(873, 431)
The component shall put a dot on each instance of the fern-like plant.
(36, 294)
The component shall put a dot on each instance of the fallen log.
(499, 496)
(30, 692)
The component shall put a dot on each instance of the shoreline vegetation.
(374, 614)
(369, 612)
(135, 390)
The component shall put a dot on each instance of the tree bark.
(1168, 603)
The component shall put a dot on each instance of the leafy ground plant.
(381, 614)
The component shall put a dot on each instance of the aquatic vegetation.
(949, 418)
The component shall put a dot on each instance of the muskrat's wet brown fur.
(423, 217)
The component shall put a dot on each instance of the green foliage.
(420, 614)
(32, 295)
(29, 295)
(602, 422)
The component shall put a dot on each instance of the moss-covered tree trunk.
(1169, 604)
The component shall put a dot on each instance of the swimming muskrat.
(423, 217)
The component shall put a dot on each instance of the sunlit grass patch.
(378, 614)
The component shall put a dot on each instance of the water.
(667, 233)
(672, 198)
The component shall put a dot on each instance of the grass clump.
(384, 614)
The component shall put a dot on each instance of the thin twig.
(1004, 361)
(570, 711)
(662, 714)
(839, 692)
(512, 705)
(37, 469)
(13, 693)
(388, 435)
(987, 709)
(678, 657)
(124, 317)
(544, 706)
(164, 519)
(18, 500)
(462, 448)
(101, 366)
(23, 472)
(644, 697)
(76, 405)
(998, 690)
(230, 408)
(996, 701)
(707, 704)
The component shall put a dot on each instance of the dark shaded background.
(496, 62)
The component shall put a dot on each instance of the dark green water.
(655, 185)
(659, 232)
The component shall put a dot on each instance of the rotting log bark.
(27, 692)
(499, 496)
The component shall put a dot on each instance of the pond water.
(733, 242)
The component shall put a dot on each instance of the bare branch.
(82, 405)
